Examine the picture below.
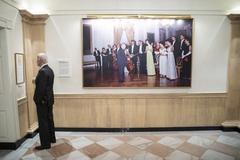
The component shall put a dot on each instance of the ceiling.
(166, 6)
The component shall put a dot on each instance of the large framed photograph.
(19, 68)
(137, 52)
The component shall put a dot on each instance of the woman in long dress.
(163, 61)
(171, 66)
(150, 63)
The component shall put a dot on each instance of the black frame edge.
(152, 129)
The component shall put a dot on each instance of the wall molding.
(140, 96)
(6, 23)
(151, 129)
(33, 19)
(235, 18)
(22, 101)
(137, 11)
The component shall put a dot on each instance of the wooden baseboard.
(152, 129)
(233, 125)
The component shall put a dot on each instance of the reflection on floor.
(98, 78)
(205, 145)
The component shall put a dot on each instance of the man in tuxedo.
(142, 57)
(44, 100)
(133, 50)
(96, 54)
(182, 45)
(176, 49)
(182, 50)
(187, 60)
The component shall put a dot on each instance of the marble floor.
(204, 145)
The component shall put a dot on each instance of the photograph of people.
(137, 53)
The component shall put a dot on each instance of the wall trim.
(22, 101)
(151, 129)
(6, 23)
(137, 11)
(33, 19)
(140, 96)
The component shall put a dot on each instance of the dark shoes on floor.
(42, 147)
(45, 147)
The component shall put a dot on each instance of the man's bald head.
(42, 59)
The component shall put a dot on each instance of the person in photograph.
(104, 59)
(156, 52)
(121, 61)
(44, 100)
(187, 60)
(171, 66)
(176, 49)
(114, 57)
(97, 56)
(133, 50)
(110, 59)
(142, 57)
(163, 63)
(182, 42)
(150, 62)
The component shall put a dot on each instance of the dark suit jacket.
(183, 47)
(143, 48)
(97, 55)
(121, 58)
(135, 49)
(43, 94)
(176, 47)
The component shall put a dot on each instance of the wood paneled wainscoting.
(139, 110)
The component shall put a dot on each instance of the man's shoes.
(53, 141)
(42, 147)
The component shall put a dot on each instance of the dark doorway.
(151, 37)
(86, 39)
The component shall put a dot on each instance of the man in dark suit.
(121, 61)
(142, 57)
(44, 100)
(133, 50)
(176, 49)
(187, 60)
(96, 54)
(183, 49)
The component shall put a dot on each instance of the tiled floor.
(204, 145)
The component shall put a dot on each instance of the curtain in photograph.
(130, 32)
(118, 31)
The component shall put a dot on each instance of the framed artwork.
(19, 68)
(137, 52)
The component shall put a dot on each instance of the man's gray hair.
(43, 57)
